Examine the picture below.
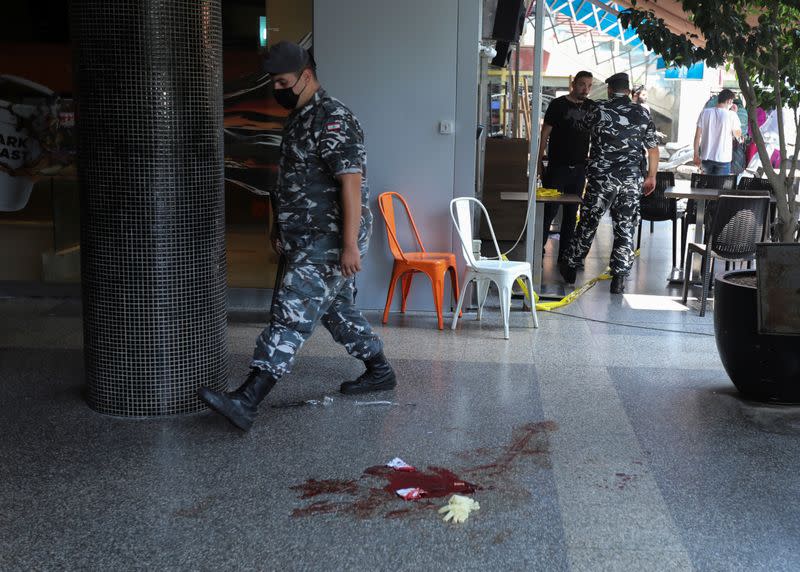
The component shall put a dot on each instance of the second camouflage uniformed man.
(619, 130)
(322, 227)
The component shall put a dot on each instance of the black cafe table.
(684, 190)
(545, 292)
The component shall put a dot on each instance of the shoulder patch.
(333, 125)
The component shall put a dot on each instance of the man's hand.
(543, 139)
(350, 261)
(276, 243)
(698, 138)
(351, 219)
(649, 185)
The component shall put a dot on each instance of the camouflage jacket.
(321, 140)
(620, 131)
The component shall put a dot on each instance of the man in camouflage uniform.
(322, 226)
(619, 131)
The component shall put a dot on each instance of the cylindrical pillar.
(150, 162)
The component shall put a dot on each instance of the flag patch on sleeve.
(332, 126)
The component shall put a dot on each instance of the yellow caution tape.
(572, 296)
(543, 192)
(521, 283)
(569, 298)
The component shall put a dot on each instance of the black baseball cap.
(287, 57)
(619, 81)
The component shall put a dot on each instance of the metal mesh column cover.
(149, 88)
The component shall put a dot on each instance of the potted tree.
(763, 365)
(759, 38)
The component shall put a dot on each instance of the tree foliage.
(761, 40)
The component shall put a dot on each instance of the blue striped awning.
(594, 15)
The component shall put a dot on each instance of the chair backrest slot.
(461, 213)
(753, 184)
(738, 225)
(702, 181)
(386, 206)
(656, 206)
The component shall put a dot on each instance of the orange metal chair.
(435, 265)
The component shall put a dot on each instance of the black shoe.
(378, 377)
(241, 406)
(617, 284)
(569, 273)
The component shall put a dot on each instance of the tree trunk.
(785, 211)
(788, 229)
(786, 232)
(787, 207)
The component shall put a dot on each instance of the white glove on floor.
(458, 508)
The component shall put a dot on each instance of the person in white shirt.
(713, 140)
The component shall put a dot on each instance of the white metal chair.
(502, 272)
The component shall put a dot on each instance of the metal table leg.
(538, 227)
(699, 229)
(545, 292)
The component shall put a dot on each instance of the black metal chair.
(759, 184)
(655, 207)
(701, 181)
(738, 224)
(753, 184)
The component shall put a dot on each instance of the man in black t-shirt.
(567, 149)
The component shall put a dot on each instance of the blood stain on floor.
(313, 487)
(623, 480)
(529, 440)
(436, 483)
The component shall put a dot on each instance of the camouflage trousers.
(309, 294)
(622, 193)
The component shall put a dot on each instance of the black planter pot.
(763, 367)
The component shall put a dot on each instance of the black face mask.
(287, 98)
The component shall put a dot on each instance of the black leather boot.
(569, 273)
(240, 406)
(617, 284)
(378, 377)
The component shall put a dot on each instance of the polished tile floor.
(608, 439)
